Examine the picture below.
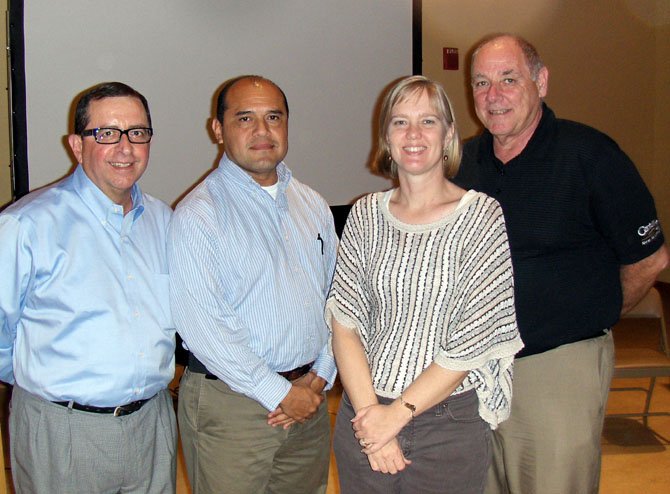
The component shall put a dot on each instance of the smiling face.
(113, 168)
(254, 131)
(416, 135)
(507, 99)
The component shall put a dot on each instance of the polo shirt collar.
(537, 139)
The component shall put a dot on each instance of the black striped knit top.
(439, 292)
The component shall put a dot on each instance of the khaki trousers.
(551, 442)
(229, 448)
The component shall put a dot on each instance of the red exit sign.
(450, 58)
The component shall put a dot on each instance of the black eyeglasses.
(110, 135)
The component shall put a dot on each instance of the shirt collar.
(538, 138)
(101, 205)
(545, 126)
(233, 172)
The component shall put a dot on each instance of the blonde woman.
(422, 313)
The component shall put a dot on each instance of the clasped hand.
(301, 402)
(377, 426)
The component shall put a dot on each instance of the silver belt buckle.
(118, 410)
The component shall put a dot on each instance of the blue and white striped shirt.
(249, 278)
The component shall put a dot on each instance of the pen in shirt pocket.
(318, 238)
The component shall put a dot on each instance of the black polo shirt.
(576, 209)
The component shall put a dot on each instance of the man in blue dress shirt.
(251, 253)
(86, 335)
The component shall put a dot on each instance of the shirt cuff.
(325, 368)
(271, 391)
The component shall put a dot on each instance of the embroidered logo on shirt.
(649, 232)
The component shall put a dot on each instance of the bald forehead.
(503, 49)
(502, 43)
(255, 82)
(253, 86)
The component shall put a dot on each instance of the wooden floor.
(636, 459)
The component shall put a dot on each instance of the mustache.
(262, 141)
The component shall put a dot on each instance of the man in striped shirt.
(251, 253)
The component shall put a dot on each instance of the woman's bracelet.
(409, 406)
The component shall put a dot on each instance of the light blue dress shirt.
(249, 276)
(84, 295)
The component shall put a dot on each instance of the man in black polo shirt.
(586, 246)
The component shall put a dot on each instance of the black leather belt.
(194, 365)
(119, 411)
(296, 373)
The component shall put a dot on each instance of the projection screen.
(332, 58)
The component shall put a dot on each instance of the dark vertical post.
(17, 97)
(417, 42)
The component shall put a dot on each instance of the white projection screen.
(331, 57)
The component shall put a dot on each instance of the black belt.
(119, 411)
(194, 365)
(296, 373)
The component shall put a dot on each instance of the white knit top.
(440, 292)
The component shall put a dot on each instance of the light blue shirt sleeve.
(210, 326)
(16, 267)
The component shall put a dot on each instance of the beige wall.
(661, 170)
(5, 177)
(608, 63)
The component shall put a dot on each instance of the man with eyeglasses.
(86, 334)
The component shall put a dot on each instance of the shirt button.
(130, 277)
(136, 313)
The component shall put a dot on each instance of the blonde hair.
(401, 91)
